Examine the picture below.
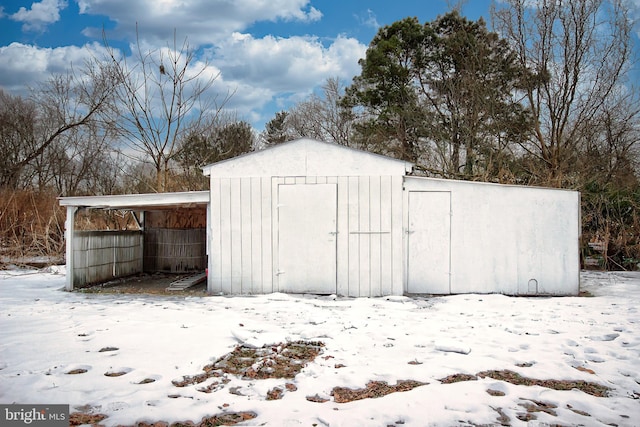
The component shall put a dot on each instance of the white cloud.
(24, 65)
(205, 21)
(272, 70)
(369, 20)
(258, 71)
(287, 64)
(280, 70)
(40, 15)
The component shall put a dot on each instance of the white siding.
(244, 231)
(307, 157)
(507, 239)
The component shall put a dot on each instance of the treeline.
(544, 98)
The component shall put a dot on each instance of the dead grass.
(515, 378)
(374, 389)
(533, 406)
(455, 378)
(283, 360)
(275, 393)
(79, 418)
(224, 419)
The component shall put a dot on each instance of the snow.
(46, 332)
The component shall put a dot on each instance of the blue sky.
(269, 53)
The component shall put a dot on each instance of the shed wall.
(244, 234)
(510, 239)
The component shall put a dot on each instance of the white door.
(307, 238)
(429, 242)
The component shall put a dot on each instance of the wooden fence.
(175, 250)
(102, 255)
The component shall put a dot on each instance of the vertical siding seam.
(260, 221)
(241, 237)
(369, 236)
(250, 230)
(230, 238)
(219, 237)
(348, 227)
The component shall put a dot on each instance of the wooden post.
(69, 236)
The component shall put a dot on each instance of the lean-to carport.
(96, 256)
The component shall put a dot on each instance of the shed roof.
(308, 157)
(149, 201)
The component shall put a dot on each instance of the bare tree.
(62, 104)
(321, 116)
(161, 99)
(82, 161)
(579, 52)
(611, 152)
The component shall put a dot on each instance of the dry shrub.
(31, 225)
(612, 216)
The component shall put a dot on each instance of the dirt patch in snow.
(79, 418)
(456, 378)
(283, 360)
(152, 284)
(373, 389)
(515, 378)
(224, 419)
(533, 406)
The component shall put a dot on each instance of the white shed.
(307, 217)
(314, 217)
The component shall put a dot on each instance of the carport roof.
(149, 201)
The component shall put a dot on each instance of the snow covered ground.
(46, 332)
